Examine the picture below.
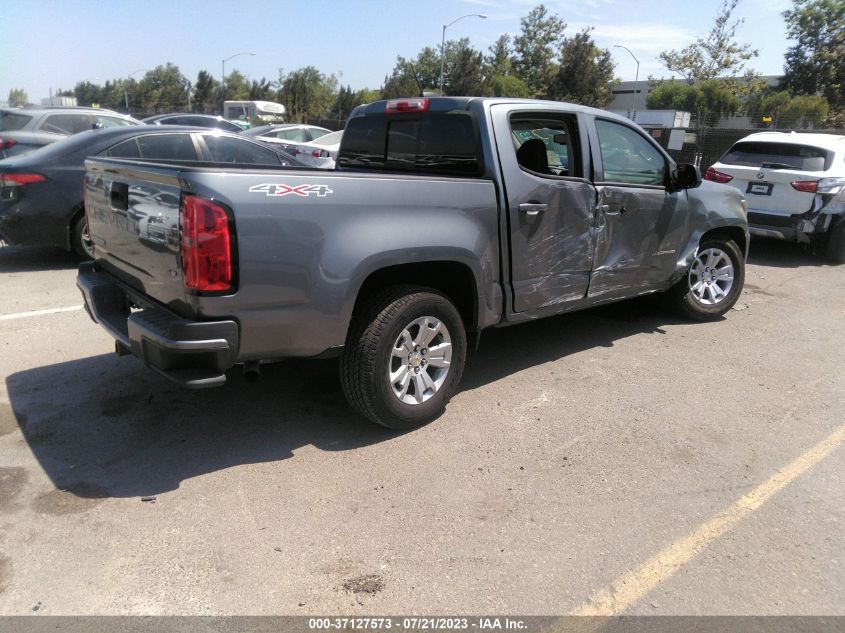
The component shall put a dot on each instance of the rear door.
(550, 204)
(640, 225)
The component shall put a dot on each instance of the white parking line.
(35, 313)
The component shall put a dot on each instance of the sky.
(53, 44)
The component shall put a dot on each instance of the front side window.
(67, 124)
(628, 157)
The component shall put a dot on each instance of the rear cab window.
(444, 143)
(784, 155)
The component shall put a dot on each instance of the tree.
(401, 82)
(787, 110)
(816, 62)
(18, 98)
(709, 100)
(535, 48)
(307, 93)
(205, 88)
(509, 86)
(261, 90)
(464, 70)
(584, 72)
(87, 93)
(499, 63)
(715, 55)
(164, 89)
(236, 87)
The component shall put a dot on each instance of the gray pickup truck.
(443, 217)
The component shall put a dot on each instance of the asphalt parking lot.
(619, 460)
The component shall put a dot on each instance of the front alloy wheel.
(711, 276)
(713, 282)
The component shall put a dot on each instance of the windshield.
(332, 138)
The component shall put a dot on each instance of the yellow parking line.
(629, 588)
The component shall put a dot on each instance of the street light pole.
(223, 73)
(443, 42)
(636, 80)
(125, 92)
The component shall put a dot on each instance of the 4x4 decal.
(278, 190)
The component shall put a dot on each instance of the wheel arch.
(454, 279)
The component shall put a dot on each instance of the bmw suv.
(794, 184)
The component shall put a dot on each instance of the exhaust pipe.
(251, 371)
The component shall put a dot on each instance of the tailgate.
(133, 219)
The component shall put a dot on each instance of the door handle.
(607, 210)
(532, 208)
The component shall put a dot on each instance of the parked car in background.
(41, 192)
(795, 186)
(293, 132)
(321, 153)
(25, 129)
(193, 120)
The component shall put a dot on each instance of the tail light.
(806, 186)
(6, 143)
(717, 176)
(397, 106)
(206, 245)
(18, 180)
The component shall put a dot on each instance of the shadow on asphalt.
(781, 254)
(15, 259)
(108, 427)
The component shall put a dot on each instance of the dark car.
(25, 129)
(41, 192)
(193, 120)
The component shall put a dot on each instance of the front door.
(550, 206)
(640, 225)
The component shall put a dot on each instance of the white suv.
(794, 184)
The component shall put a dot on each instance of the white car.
(321, 153)
(794, 184)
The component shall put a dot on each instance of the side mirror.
(687, 177)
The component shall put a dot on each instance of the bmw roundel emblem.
(760, 176)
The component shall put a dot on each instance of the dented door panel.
(638, 234)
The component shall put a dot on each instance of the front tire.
(713, 281)
(80, 240)
(404, 357)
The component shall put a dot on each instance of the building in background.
(62, 102)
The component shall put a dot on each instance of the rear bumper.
(195, 354)
(796, 228)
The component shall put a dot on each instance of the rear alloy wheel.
(81, 239)
(404, 357)
(713, 282)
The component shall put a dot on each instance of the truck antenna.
(417, 79)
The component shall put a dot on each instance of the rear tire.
(835, 248)
(404, 357)
(80, 240)
(713, 283)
